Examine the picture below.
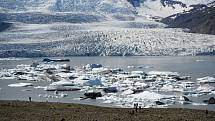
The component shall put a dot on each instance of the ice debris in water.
(152, 89)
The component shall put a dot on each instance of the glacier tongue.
(95, 27)
(101, 39)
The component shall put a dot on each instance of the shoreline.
(55, 111)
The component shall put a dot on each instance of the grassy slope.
(37, 111)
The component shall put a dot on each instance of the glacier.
(97, 28)
(102, 39)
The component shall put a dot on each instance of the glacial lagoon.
(192, 66)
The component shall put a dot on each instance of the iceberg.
(57, 96)
(93, 82)
(61, 88)
(168, 88)
(147, 95)
(205, 89)
(63, 83)
(163, 73)
(65, 75)
(39, 87)
(127, 92)
(20, 85)
(91, 66)
(206, 80)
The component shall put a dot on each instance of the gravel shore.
(46, 111)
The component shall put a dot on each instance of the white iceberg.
(138, 72)
(39, 87)
(65, 75)
(206, 80)
(57, 96)
(163, 73)
(100, 70)
(127, 92)
(140, 84)
(205, 89)
(63, 83)
(61, 88)
(20, 85)
(167, 88)
(147, 95)
(93, 82)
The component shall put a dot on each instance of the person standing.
(206, 113)
(29, 99)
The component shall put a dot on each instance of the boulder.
(159, 103)
(93, 95)
(110, 90)
(211, 100)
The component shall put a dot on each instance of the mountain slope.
(161, 8)
(201, 20)
(97, 27)
(165, 8)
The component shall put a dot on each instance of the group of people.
(136, 107)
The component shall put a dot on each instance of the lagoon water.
(194, 66)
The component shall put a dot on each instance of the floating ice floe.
(39, 87)
(205, 89)
(100, 70)
(20, 85)
(147, 95)
(63, 83)
(140, 66)
(163, 73)
(5, 74)
(200, 60)
(13, 59)
(93, 82)
(184, 100)
(138, 72)
(65, 75)
(91, 66)
(206, 80)
(167, 88)
(61, 88)
(127, 92)
(146, 98)
(7, 78)
(58, 96)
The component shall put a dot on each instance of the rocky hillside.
(198, 20)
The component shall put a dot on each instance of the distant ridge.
(198, 20)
